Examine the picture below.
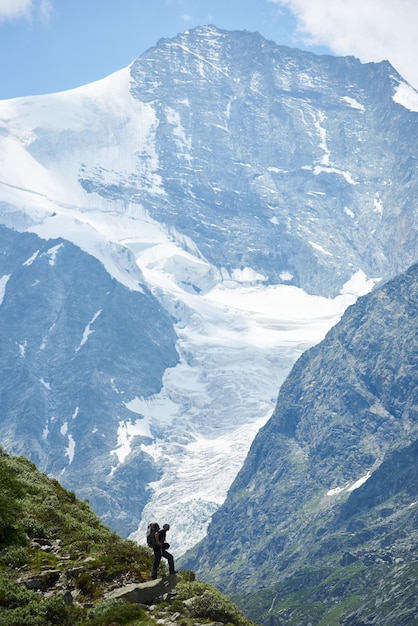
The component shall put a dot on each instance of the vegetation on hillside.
(58, 562)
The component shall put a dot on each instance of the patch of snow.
(32, 258)
(360, 482)
(320, 169)
(140, 407)
(353, 103)
(315, 193)
(70, 450)
(3, 283)
(336, 491)
(277, 170)
(320, 248)
(52, 253)
(359, 284)
(247, 275)
(406, 96)
(173, 118)
(378, 206)
(323, 139)
(87, 330)
(126, 432)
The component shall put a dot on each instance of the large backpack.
(151, 530)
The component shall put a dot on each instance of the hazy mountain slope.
(330, 481)
(226, 177)
(77, 346)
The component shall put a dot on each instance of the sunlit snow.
(88, 330)
(52, 253)
(126, 431)
(348, 488)
(354, 104)
(407, 96)
(31, 258)
(3, 283)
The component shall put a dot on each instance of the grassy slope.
(89, 557)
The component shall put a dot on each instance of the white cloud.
(372, 30)
(186, 17)
(45, 9)
(11, 9)
(24, 9)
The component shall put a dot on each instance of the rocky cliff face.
(322, 518)
(300, 156)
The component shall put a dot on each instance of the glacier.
(237, 338)
(238, 334)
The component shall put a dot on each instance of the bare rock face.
(40, 582)
(326, 500)
(143, 593)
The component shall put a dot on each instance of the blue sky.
(53, 45)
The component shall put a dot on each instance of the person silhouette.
(160, 550)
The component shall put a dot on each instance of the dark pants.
(158, 553)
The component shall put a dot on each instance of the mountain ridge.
(329, 482)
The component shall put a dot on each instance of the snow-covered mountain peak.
(240, 195)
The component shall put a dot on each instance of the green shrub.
(122, 555)
(14, 556)
(10, 508)
(85, 583)
(79, 547)
(188, 589)
(214, 606)
(114, 612)
(13, 595)
(32, 527)
(187, 575)
(176, 606)
(48, 612)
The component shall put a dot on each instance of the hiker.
(160, 549)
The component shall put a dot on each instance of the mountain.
(71, 333)
(175, 236)
(325, 506)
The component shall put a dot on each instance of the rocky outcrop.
(143, 593)
(68, 582)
